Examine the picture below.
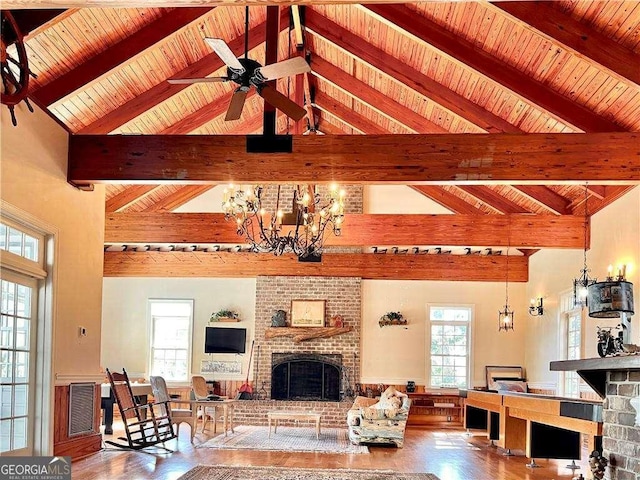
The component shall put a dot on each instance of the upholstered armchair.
(370, 422)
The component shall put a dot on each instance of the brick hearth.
(254, 412)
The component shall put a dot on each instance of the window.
(171, 322)
(449, 360)
(571, 343)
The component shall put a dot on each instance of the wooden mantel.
(301, 334)
(594, 370)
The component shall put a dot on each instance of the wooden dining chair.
(200, 391)
(178, 415)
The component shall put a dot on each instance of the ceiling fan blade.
(179, 81)
(236, 104)
(224, 52)
(293, 66)
(282, 103)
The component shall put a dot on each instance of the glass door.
(18, 314)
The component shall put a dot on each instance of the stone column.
(621, 434)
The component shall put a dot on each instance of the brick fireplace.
(342, 297)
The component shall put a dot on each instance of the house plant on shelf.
(392, 318)
(224, 316)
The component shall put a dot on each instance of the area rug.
(220, 472)
(287, 439)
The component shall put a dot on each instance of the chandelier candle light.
(300, 232)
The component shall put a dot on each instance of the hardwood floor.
(449, 453)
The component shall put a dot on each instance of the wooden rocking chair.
(143, 426)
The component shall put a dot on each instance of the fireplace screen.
(306, 377)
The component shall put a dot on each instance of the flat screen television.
(225, 340)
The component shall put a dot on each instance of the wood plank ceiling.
(438, 67)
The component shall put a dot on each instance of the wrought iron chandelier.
(582, 283)
(301, 231)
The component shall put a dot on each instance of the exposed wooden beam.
(613, 193)
(300, 126)
(250, 126)
(447, 200)
(347, 115)
(308, 100)
(576, 35)
(178, 198)
(363, 229)
(545, 197)
(597, 191)
(88, 72)
(407, 159)
(164, 90)
(32, 22)
(493, 199)
(368, 266)
(329, 128)
(297, 27)
(472, 56)
(372, 97)
(6, 4)
(390, 65)
(201, 116)
(128, 196)
(271, 56)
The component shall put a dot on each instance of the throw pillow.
(373, 413)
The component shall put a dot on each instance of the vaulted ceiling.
(529, 73)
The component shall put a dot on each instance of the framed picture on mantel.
(307, 313)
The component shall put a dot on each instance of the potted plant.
(392, 318)
(224, 315)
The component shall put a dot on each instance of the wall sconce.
(536, 309)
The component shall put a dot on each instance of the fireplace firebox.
(306, 376)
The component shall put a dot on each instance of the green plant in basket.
(392, 318)
(223, 315)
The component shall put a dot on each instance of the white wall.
(34, 179)
(399, 199)
(615, 239)
(126, 339)
(395, 354)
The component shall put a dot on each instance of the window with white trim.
(571, 343)
(450, 351)
(22, 267)
(171, 330)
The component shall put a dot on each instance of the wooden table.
(296, 416)
(227, 412)
(107, 400)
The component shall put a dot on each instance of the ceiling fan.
(247, 73)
